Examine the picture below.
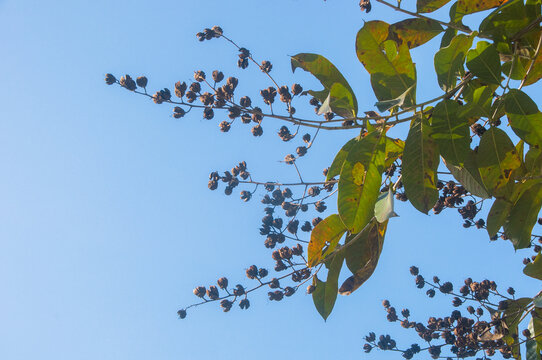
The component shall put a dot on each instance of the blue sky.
(106, 222)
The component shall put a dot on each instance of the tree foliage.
(478, 141)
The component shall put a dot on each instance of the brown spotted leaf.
(414, 32)
(466, 7)
(420, 164)
(427, 6)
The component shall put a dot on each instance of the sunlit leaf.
(415, 31)
(449, 61)
(342, 98)
(497, 158)
(360, 179)
(484, 62)
(534, 269)
(328, 232)
(325, 294)
(524, 117)
(337, 164)
(420, 164)
(362, 254)
(390, 65)
(394, 149)
(450, 131)
(427, 6)
(523, 216)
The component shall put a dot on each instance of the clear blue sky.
(106, 223)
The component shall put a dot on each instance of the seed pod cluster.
(458, 334)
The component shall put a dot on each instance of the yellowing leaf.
(390, 65)
(342, 98)
(497, 158)
(328, 232)
(356, 201)
(414, 32)
(427, 6)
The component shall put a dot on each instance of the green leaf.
(534, 269)
(388, 104)
(362, 254)
(427, 6)
(469, 176)
(390, 65)
(533, 8)
(520, 67)
(536, 72)
(449, 34)
(533, 349)
(536, 316)
(415, 31)
(521, 171)
(511, 317)
(523, 217)
(328, 232)
(504, 21)
(342, 98)
(524, 117)
(533, 161)
(449, 61)
(337, 164)
(484, 62)
(360, 179)
(384, 207)
(478, 100)
(497, 216)
(497, 159)
(420, 164)
(466, 7)
(455, 18)
(514, 311)
(325, 294)
(450, 131)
